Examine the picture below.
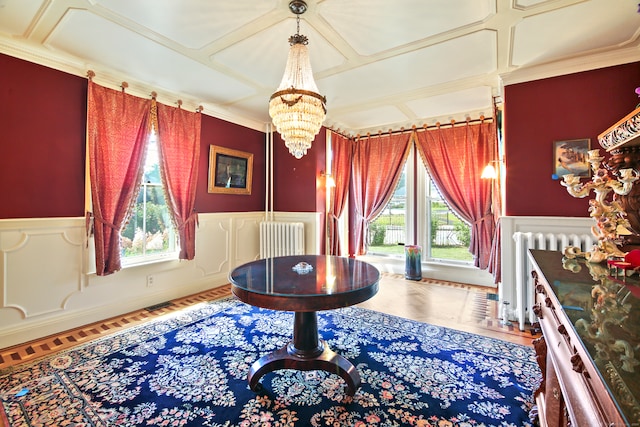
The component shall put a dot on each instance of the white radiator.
(281, 239)
(524, 289)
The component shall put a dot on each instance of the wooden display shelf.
(625, 133)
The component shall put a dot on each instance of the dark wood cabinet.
(590, 349)
(622, 142)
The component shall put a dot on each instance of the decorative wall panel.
(40, 259)
(46, 286)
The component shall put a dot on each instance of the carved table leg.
(306, 352)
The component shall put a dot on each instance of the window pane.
(149, 231)
(450, 236)
(387, 231)
(152, 164)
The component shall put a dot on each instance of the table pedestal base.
(306, 352)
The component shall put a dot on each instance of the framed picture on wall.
(230, 171)
(571, 157)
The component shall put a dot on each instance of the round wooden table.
(305, 284)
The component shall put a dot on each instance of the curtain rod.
(453, 123)
(153, 95)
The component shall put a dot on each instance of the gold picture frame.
(572, 157)
(230, 171)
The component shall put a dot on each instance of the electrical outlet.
(150, 281)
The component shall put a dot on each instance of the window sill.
(149, 260)
(460, 273)
(425, 262)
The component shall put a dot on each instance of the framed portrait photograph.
(571, 157)
(230, 171)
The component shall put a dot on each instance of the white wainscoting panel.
(41, 259)
(246, 247)
(213, 240)
(46, 283)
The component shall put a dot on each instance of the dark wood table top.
(332, 282)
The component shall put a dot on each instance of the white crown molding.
(572, 65)
(110, 78)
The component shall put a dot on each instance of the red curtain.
(118, 127)
(377, 167)
(455, 157)
(342, 152)
(179, 151)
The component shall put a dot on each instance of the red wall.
(575, 106)
(297, 183)
(42, 146)
(42, 141)
(229, 135)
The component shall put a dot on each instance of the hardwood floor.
(454, 305)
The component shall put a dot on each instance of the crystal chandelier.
(296, 107)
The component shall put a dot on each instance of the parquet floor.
(458, 306)
(42, 347)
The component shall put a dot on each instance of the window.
(387, 233)
(443, 236)
(149, 234)
(449, 236)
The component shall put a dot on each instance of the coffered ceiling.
(382, 64)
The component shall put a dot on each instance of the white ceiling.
(382, 64)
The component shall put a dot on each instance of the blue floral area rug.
(190, 369)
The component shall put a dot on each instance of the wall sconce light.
(492, 172)
(328, 179)
(489, 171)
